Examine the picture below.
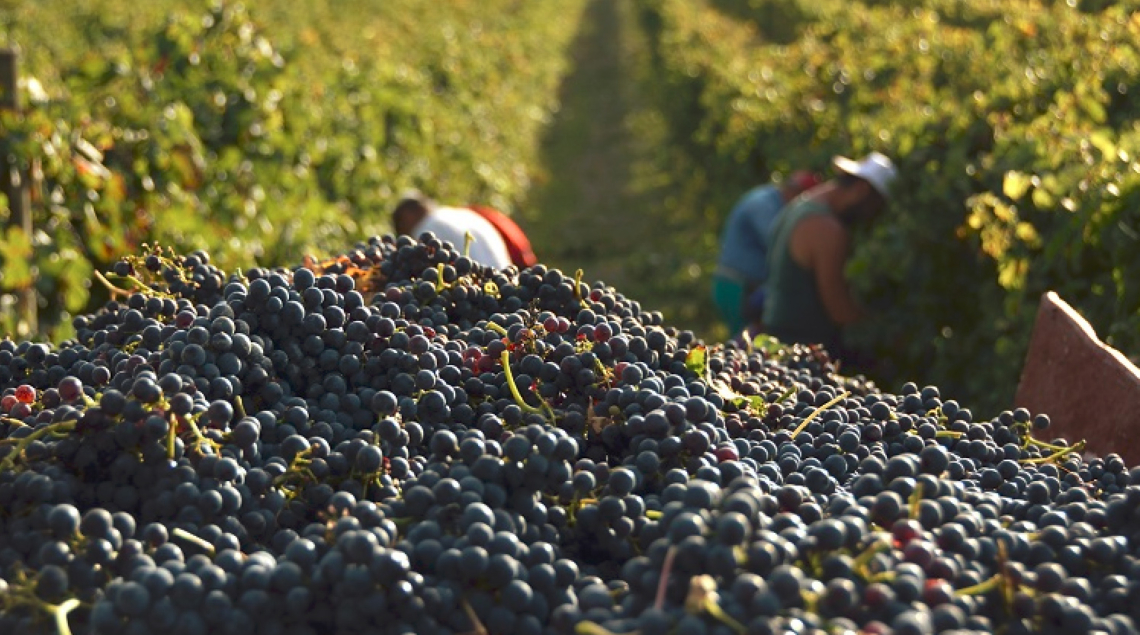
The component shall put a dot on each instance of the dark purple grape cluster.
(398, 440)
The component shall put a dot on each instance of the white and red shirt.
(453, 223)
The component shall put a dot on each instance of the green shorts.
(728, 296)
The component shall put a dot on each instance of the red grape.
(26, 394)
(727, 453)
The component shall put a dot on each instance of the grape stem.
(24, 595)
(404, 522)
(859, 566)
(578, 288)
(170, 436)
(468, 238)
(506, 360)
(810, 599)
(138, 284)
(982, 587)
(440, 285)
(703, 597)
(808, 419)
(885, 576)
(787, 393)
(915, 499)
(592, 628)
(115, 291)
(9, 461)
(496, 328)
(199, 438)
(477, 624)
(663, 583)
(60, 614)
(1049, 446)
(178, 532)
(1056, 455)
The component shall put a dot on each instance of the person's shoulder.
(758, 198)
(762, 188)
(448, 211)
(764, 191)
(456, 217)
(824, 228)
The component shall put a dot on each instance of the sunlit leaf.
(697, 360)
(1015, 184)
(16, 269)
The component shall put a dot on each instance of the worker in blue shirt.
(742, 267)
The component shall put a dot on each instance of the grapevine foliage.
(1013, 126)
(261, 133)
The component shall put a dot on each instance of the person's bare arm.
(828, 245)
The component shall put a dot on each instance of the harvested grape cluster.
(398, 440)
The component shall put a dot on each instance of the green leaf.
(1043, 199)
(697, 361)
(755, 403)
(17, 249)
(1015, 184)
(768, 344)
(1094, 109)
(1102, 140)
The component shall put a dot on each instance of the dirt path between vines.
(590, 208)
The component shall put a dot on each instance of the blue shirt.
(744, 240)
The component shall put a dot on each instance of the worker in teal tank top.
(742, 267)
(808, 298)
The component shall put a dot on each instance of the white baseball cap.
(875, 168)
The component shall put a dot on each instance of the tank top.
(794, 311)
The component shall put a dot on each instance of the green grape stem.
(60, 614)
(808, 419)
(787, 393)
(703, 597)
(24, 595)
(1049, 446)
(468, 238)
(1077, 448)
(9, 461)
(199, 438)
(440, 285)
(982, 587)
(178, 532)
(578, 288)
(506, 360)
(915, 499)
(592, 628)
(171, 435)
(239, 408)
(496, 328)
(139, 285)
(859, 566)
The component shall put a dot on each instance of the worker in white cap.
(808, 297)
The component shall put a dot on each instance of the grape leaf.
(1015, 184)
(697, 361)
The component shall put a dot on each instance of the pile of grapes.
(398, 440)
